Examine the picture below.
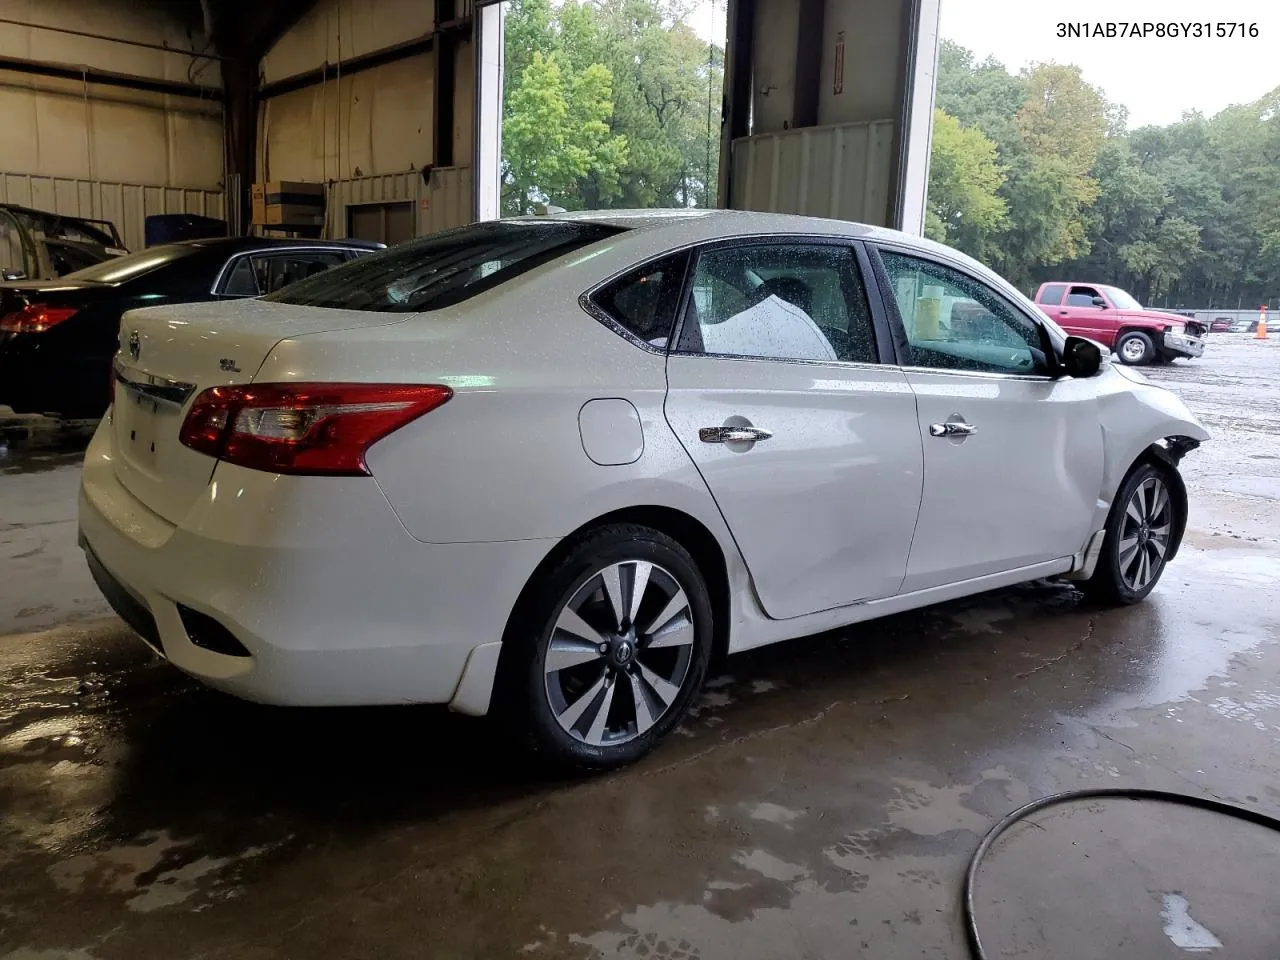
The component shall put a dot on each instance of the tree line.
(616, 103)
(1037, 174)
(608, 104)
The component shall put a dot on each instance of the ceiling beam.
(348, 67)
(109, 78)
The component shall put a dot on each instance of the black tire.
(1127, 348)
(533, 699)
(1114, 581)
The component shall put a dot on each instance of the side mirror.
(1099, 302)
(1081, 358)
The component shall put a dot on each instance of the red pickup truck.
(1116, 320)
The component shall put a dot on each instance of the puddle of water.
(1183, 930)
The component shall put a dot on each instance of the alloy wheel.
(1144, 533)
(1133, 349)
(619, 653)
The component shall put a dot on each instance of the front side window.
(954, 322)
(791, 301)
(445, 269)
(1083, 297)
(644, 302)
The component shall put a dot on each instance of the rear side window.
(1052, 294)
(268, 272)
(444, 269)
(644, 301)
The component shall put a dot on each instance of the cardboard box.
(293, 215)
(258, 196)
(291, 202)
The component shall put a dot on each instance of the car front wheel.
(1141, 533)
(1136, 348)
(617, 648)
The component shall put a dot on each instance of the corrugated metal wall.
(840, 171)
(445, 203)
(127, 205)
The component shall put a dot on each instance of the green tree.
(1180, 215)
(964, 207)
(665, 87)
(556, 133)
(1061, 125)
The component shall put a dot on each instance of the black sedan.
(57, 337)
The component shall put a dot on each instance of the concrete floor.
(822, 803)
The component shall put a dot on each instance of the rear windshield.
(444, 269)
(119, 269)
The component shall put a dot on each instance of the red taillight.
(35, 318)
(303, 428)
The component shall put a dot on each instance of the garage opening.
(611, 105)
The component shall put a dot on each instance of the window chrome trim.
(227, 267)
(981, 374)
(843, 364)
(603, 316)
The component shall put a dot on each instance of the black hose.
(1126, 793)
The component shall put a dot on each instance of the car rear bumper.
(42, 381)
(1183, 345)
(339, 607)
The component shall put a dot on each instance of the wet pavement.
(823, 802)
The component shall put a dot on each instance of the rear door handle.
(733, 434)
(952, 429)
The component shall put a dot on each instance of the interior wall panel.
(777, 24)
(443, 203)
(103, 151)
(336, 30)
(147, 21)
(464, 105)
(840, 171)
(872, 38)
(375, 122)
(62, 128)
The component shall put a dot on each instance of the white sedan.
(551, 467)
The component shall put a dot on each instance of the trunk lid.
(167, 356)
(14, 295)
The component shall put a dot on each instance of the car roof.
(680, 227)
(233, 244)
(703, 224)
(1078, 283)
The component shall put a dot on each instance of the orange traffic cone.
(1262, 325)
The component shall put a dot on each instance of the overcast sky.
(1157, 79)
